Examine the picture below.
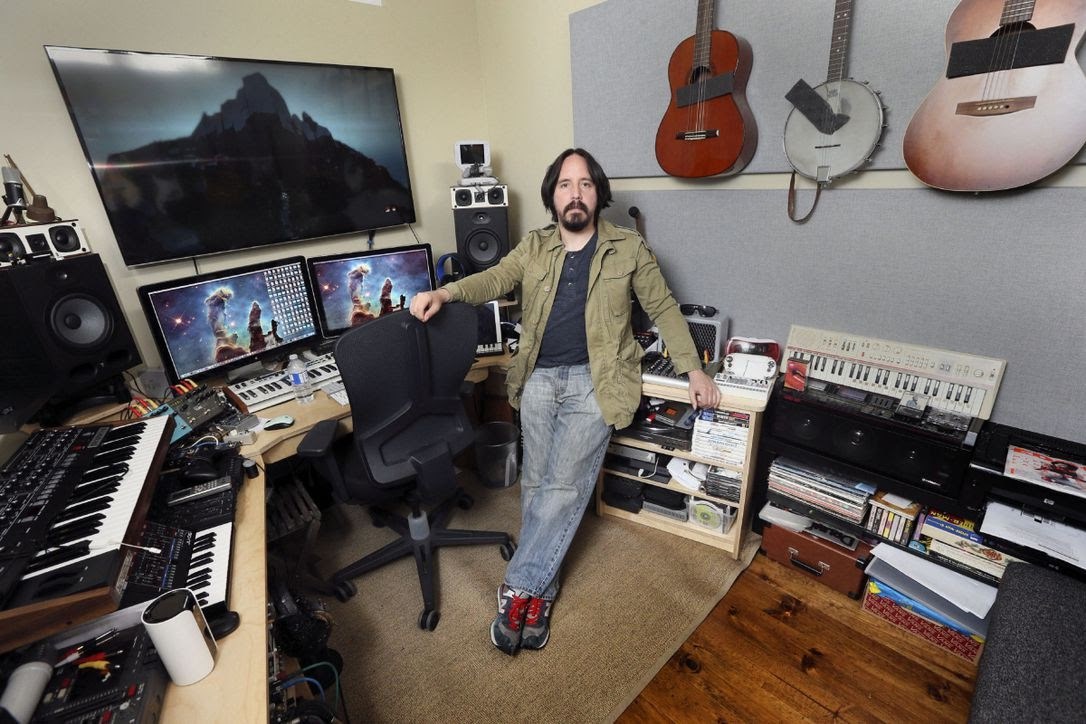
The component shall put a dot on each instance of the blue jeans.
(565, 439)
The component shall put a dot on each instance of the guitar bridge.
(996, 106)
(697, 135)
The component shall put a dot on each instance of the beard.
(572, 223)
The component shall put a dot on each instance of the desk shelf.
(731, 541)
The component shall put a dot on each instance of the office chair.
(403, 380)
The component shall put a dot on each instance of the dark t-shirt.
(564, 340)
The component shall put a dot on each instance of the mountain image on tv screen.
(196, 155)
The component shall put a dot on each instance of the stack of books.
(892, 517)
(720, 437)
(954, 542)
(841, 497)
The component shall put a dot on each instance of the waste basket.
(496, 453)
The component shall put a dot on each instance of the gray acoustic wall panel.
(620, 51)
(1000, 275)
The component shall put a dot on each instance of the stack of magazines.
(841, 497)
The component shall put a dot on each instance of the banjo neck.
(842, 25)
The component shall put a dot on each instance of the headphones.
(456, 269)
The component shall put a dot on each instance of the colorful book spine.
(939, 528)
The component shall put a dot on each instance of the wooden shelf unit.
(732, 540)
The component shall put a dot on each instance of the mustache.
(575, 205)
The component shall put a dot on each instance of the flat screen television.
(198, 155)
(206, 324)
(355, 287)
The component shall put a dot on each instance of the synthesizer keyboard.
(659, 370)
(70, 499)
(259, 393)
(950, 382)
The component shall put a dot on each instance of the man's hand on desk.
(704, 394)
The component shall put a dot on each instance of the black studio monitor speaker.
(64, 334)
(481, 216)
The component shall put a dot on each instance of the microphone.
(634, 212)
(13, 188)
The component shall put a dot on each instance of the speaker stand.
(57, 410)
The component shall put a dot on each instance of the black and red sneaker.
(537, 624)
(505, 632)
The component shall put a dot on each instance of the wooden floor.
(782, 647)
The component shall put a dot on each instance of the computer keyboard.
(336, 391)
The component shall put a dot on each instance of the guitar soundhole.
(1012, 28)
(699, 72)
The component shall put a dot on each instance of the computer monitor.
(209, 323)
(355, 287)
(490, 330)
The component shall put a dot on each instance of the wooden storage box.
(836, 566)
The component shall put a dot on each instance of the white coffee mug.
(180, 633)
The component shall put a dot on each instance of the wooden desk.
(236, 690)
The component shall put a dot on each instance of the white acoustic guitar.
(834, 127)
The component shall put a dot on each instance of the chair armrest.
(319, 440)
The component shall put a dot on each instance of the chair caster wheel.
(344, 591)
(378, 519)
(428, 619)
(464, 501)
(507, 550)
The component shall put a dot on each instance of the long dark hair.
(595, 171)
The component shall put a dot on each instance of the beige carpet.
(630, 597)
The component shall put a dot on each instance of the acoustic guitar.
(708, 128)
(1011, 107)
(833, 128)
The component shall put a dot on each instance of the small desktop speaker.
(64, 332)
(481, 216)
(41, 242)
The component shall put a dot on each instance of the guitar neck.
(703, 34)
(1016, 11)
(842, 24)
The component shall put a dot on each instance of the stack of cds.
(839, 496)
(722, 483)
(720, 436)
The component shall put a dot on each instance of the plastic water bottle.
(299, 379)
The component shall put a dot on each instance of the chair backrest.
(403, 379)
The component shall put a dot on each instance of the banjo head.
(823, 157)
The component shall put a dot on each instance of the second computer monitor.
(353, 288)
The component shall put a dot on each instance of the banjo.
(833, 128)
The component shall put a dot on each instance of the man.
(577, 375)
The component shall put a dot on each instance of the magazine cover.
(1040, 469)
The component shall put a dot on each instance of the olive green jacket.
(622, 263)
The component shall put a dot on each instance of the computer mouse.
(278, 423)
